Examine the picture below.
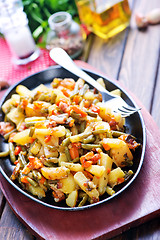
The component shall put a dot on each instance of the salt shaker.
(65, 33)
(14, 27)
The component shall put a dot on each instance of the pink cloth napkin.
(13, 73)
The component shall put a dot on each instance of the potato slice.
(22, 138)
(23, 91)
(96, 170)
(54, 173)
(86, 185)
(76, 167)
(114, 176)
(72, 199)
(68, 184)
(15, 116)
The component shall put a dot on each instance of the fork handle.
(64, 60)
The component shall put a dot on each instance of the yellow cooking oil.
(105, 18)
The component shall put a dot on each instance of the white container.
(14, 26)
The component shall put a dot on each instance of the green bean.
(90, 146)
(20, 109)
(83, 90)
(117, 133)
(68, 133)
(42, 97)
(22, 159)
(99, 131)
(6, 136)
(83, 201)
(76, 160)
(44, 110)
(53, 98)
(48, 164)
(79, 137)
(89, 139)
(52, 160)
(32, 182)
(68, 154)
(92, 114)
(66, 142)
(11, 152)
(4, 154)
(37, 175)
(82, 126)
(95, 101)
(84, 135)
(76, 87)
(31, 132)
(75, 115)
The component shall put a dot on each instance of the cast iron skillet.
(134, 125)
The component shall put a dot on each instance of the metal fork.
(116, 103)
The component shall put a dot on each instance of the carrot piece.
(74, 152)
(95, 108)
(36, 163)
(42, 180)
(47, 138)
(89, 155)
(86, 104)
(37, 105)
(87, 164)
(106, 146)
(88, 174)
(78, 110)
(95, 158)
(17, 150)
(24, 179)
(120, 180)
(76, 99)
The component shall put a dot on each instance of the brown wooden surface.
(132, 57)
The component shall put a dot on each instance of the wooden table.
(133, 58)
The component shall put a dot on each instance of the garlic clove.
(141, 20)
(153, 17)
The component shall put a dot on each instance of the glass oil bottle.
(105, 18)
